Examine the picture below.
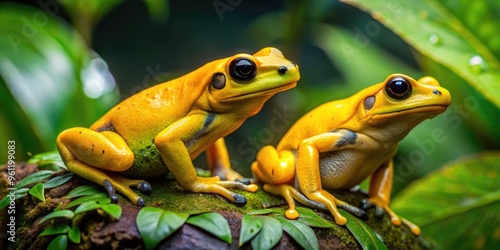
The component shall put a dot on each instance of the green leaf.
(37, 191)
(112, 209)
(38, 98)
(83, 190)
(213, 223)
(17, 194)
(250, 226)
(458, 205)
(447, 37)
(267, 211)
(58, 180)
(57, 229)
(33, 178)
(91, 197)
(156, 224)
(366, 236)
(87, 206)
(74, 235)
(269, 235)
(48, 160)
(58, 243)
(301, 233)
(310, 218)
(57, 214)
(158, 9)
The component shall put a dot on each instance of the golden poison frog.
(164, 127)
(340, 143)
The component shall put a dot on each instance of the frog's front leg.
(85, 152)
(219, 163)
(178, 141)
(380, 195)
(308, 172)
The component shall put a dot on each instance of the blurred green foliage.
(55, 75)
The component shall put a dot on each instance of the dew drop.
(477, 65)
(435, 39)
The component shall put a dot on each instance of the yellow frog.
(164, 127)
(340, 143)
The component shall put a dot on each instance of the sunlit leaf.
(155, 224)
(57, 229)
(366, 236)
(58, 180)
(250, 226)
(57, 214)
(112, 209)
(444, 37)
(311, 218)
(34, 178)
(87, 206)
(37, 191)
(300, 232)
(16, 194)
(269, 235)
(213, 223)
(58, 243)
(44, 67)
(457, 205)
(74, 235)
(83, 190)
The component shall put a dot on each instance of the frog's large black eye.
(242, 69)
(218, 81)
(398, 88)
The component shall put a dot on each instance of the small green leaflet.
(367, 238)
(17, 194)
(60, 242)
(37, 191)
(156, 224)
(250, 226)
(74, 235)
(61, 213)
(269, 235)
(33, 178)
(300, 232)
(213, 223)
(58, 180)
(83, 190)
(57, 229)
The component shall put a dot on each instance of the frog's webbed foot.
(226, 173)
(382, 208)
(216, 186)
(291, 194)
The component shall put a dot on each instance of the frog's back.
(142, 116)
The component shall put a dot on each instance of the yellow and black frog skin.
(164, 127)
(340, 143)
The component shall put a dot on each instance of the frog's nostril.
(293, 63)
(436, 92)
(282, 70)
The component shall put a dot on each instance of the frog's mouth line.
(436, 108)
(264, 92)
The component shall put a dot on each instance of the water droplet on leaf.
(477, 65)
(435, 39)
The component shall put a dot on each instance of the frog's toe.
(246, 181)
(366, 204)
(354, 210)
(144, 187)
(239, 200)
(140, 202)
(111, 191)
(379, 212)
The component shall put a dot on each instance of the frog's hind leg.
(273, 166)
(85, 152)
